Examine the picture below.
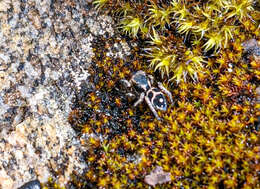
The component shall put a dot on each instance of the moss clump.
(208, 137)
(51, 184)
(190, 27)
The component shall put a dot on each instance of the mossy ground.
(208, 137)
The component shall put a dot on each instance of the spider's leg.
(125, 83)
(168, 93)
(130, 96)
(151, 79)
(152, 108)
(141, 98)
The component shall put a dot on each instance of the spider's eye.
(159, 102)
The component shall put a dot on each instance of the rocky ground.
(45, 52)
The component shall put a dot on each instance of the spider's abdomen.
(157, 99)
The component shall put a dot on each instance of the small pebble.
(34, 184)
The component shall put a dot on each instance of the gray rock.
(45, 54)
(35, 184)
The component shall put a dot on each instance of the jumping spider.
(153, 96)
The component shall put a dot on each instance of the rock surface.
(45, 52)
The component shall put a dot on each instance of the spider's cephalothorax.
(154, 97)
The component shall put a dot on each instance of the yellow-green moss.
(203, 25)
